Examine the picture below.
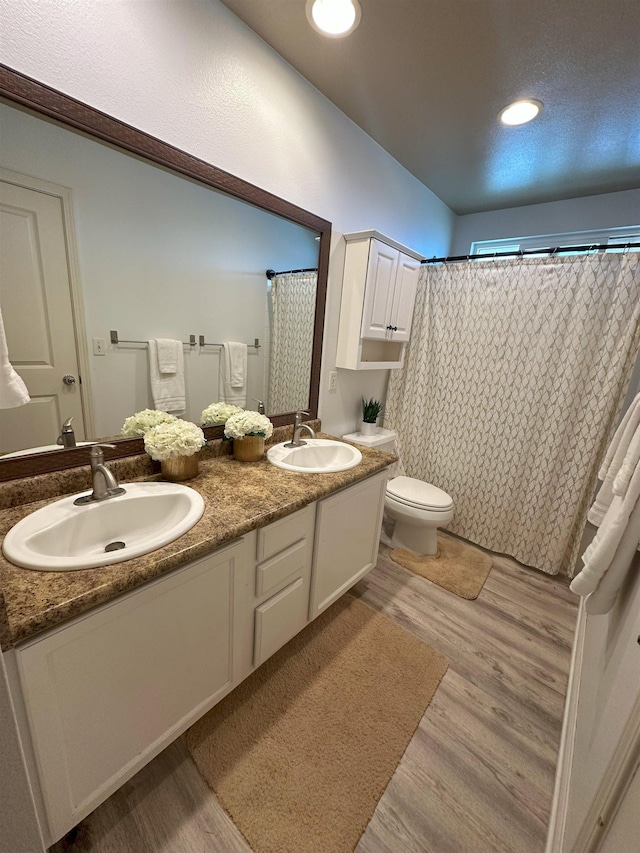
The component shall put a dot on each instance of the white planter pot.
(367, 428)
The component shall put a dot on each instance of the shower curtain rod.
(591, 247)
(271, 273)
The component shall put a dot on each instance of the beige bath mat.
(300, 753)
(457, 567)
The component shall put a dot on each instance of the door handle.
(69, 379)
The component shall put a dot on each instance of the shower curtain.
(293, 306)
(511, 389)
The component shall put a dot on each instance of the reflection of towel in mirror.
(233, 373)
(167, 389)
(13, 391)
(168, 354)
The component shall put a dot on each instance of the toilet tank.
(382, 439)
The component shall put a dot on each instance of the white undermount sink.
(61, 536)
(317, 456)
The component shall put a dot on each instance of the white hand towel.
(13, 391)
(614, 459)
(601, 552)
(602, 600)
(233, 373)
(168, 354)
(167, 389)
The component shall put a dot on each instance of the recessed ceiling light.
(520, 112)
(334, 18)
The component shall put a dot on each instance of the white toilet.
(417, 508)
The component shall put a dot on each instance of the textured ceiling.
(427, 78)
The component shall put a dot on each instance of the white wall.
(609, 210)
(159, 256)
(192, 74)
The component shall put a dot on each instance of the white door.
(36, 304)
(404, 296)
(381, 275)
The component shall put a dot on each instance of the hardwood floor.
(478, 774)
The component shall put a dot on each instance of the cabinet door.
(346, 542)
(107, 692)
(404, 297)
(280, 618)
(381, 276)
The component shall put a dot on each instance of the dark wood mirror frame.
(75, 114)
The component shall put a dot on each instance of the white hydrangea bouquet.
(219, 413)
(173, 439)
(245, 423)
(143, 421)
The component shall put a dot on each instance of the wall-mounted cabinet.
(378, 295)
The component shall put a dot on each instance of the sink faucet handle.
(95, 451)
(67, 436)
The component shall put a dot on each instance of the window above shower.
(615, 238)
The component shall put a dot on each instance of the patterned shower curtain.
(293, 306)
(511, 389)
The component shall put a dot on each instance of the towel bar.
(256, 343)
(116, 340)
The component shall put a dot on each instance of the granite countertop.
(239, 497)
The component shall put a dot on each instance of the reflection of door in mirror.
(37, 310)
(159, 256)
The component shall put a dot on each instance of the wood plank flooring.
(478, 774)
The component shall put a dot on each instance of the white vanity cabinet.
(346, 540)
(109, 690)
(99, 696)
(378, 295)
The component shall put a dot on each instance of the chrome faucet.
(298, 426)
(67, 437)
(104, 483)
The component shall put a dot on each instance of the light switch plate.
(99, 346)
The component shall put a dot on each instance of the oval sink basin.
(62, 537)
(317, 456)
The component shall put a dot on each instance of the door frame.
(65, 195)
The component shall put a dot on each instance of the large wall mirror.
(111, 238)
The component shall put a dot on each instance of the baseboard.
(559, 805)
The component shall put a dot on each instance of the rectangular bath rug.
(300, 753)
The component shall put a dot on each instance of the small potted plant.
(248, 429)
(219, 413)
(175, 445)
(371, 411)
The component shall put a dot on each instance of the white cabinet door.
(378, 297)
(404, 297)
(346, 541)
(108, 691)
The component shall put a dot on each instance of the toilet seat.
(419, 495)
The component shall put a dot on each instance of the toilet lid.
(417, 493)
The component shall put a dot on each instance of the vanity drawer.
(279, 619)
(283, 533)
(295, 560)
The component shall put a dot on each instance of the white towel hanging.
(167, 389)
(13, 391)
(233, 373)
